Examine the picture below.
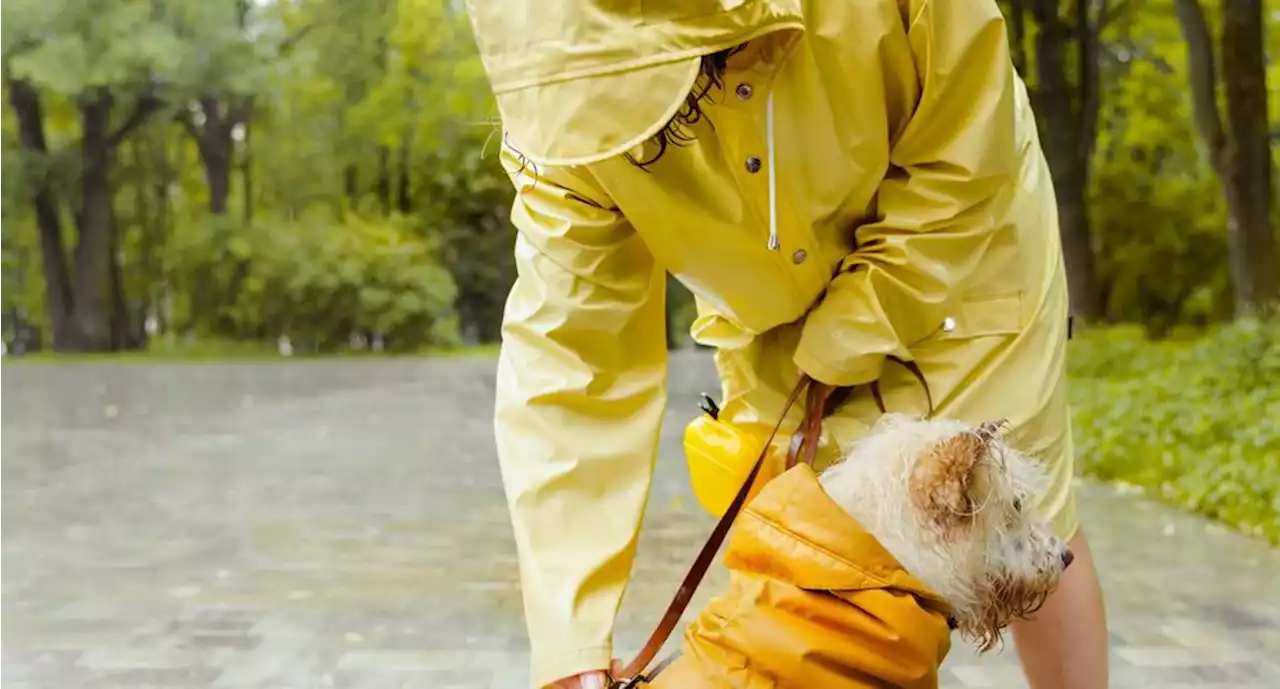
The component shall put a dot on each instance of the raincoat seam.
(648, 61)
(881, 583)
(528, 173)
(919, 16)
(648, 132)
(661, 60)
(644, 135)
(589, 278)
(580, 174)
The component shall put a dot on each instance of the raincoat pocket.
(999, 314)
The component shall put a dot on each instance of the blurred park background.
(211, 179)
(292, 180)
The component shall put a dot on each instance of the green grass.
(1194, 422)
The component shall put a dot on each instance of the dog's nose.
(1067, 557)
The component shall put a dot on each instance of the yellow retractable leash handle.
(720, 456)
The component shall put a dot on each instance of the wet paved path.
(341, 524)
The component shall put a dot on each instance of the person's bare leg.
(1064, 645)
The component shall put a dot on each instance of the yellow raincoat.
(813, 601)
(887, 143)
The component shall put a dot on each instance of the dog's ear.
(943, 477)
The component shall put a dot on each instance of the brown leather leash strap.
(804, 444)
(706, 556)
(913, 368)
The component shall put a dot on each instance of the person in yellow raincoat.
(837, 182)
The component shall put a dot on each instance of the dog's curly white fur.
(955, 506)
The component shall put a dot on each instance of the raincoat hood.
(814, 601)
(578, 81)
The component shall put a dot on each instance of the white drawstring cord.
(773, 176)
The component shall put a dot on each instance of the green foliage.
(69, 48)
(467, 203)
(1195, 422)
(1152, 213)
(360, 208)
(376, 115)
(318, 280)
(1154, 199)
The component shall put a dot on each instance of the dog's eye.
(1017, 505)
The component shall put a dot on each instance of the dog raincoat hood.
(813, 601)
(555, 67)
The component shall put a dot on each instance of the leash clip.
(709, 406)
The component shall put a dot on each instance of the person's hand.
(596, 679)
(588, 680)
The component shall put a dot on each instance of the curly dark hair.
(675, 133)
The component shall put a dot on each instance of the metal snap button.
(948, 324)
(744, 91)
(799, 256)
(753, 164)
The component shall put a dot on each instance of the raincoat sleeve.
(581, 388)
(952, 167)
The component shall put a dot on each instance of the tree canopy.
(324, 170)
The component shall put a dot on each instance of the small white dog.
(853, 578)
(954, 505)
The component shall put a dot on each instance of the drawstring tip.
(774, 245)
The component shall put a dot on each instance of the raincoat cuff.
(569, 663)
(855, 371)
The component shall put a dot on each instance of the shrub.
(321, 282)
(1196, 422)
(465, 202)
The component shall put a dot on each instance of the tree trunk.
(216, 143)
(123, 333)
(384, 180)
(1253, 243)
(404, 190)
(1062, 111)
(1089, 25)
(349, 183)
(158, 293)
(75, 292)
(1204, 83)
(25, 102)
(217, 172)
(1238, 150)
(91, 322)
(213, 139)
(246, 170)
(145, 220)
